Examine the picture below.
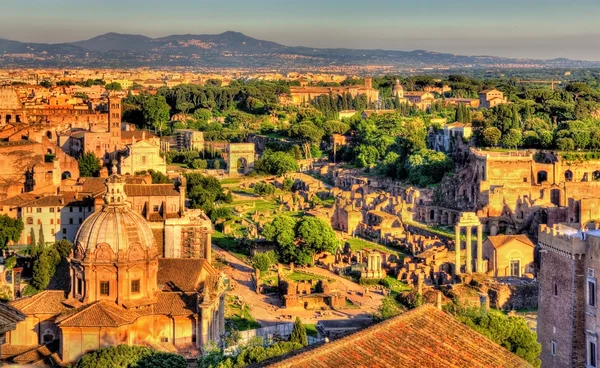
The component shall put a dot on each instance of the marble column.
(457, 250)
(480, 249)
(469, 259)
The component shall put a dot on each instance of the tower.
(114, 123)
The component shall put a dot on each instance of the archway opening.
(242, 165)
(568, 175)
(65, 175)
(542, 176)
(596, 175)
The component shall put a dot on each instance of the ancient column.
(469, 259)
(480, 249)
(370, 261)
(457, 248)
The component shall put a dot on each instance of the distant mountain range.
(234, 49)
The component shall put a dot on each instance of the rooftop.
(422, 337)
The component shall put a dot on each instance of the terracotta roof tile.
(46, 302)
(176, 304)
(500, 240)
(182, 274)
(98, 314)
(422, 337)
(135, 190)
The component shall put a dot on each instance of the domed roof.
(115, 224)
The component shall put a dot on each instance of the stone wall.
(508, 297)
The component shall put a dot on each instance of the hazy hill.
(234, 49)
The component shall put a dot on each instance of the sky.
(512, 28)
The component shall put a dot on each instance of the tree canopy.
(133, 356)
(10, 230)
(89, 165)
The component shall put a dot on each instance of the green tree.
(10, 230)
(317, 235)
(263, 261)
(282, 230)
(205, 191)
(127, 356)
(299, 333)
(155, 110)
(114, 86)
(89, 165)
(46, 83)
(491, 136)
(511, 332)
(33, 248)
(44, 267)
(276, 163)
(511, 139)
(64, 248)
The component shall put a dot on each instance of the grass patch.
(311, 330)
(302, 276)
(230, 244)
(357, 244)
(238, 317)
(394, 285)
(230, 181)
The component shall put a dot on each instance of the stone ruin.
(309, 294)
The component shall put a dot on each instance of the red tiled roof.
(143, 190)
(500, 240)
(182, 274)
(422, 337)
(46, 302)
(176, 304)
(98, 314)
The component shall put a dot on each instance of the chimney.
(438, 302)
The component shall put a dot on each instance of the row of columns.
(469, 260)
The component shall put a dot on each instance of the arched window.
(542, 176)
(568, 175)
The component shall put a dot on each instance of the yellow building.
(509, 255)
(121, 293)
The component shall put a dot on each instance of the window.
(553, 348)
(555, 289)
(515, 268)
(155, 208)
(143, 160)
(51, 221)
(591, 292)
(80, 221)
(591, 354)
(70, 209)
(51, 209)
(29, 220)
(135, 286)
(79, 286)
(64, 230)
(38, 210)
(164, 339)
(524, 180)
(71, 221)
(104, 288)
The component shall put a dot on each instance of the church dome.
(115, 225)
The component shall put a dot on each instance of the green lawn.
(259, 204)
(231, 181)
(394, 285)
(359, 244)
(238, 316)
(302, 276)
(230, 244)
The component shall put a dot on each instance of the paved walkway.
(267, 309)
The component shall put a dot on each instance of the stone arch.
(49, 151)
(542, 176)
(568, 175)
(49, 134)
(431, 214)
(241, 165)
(236, 151)
(596, 175)
(65, 175)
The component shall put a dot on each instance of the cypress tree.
(33, 249)
(299, 333)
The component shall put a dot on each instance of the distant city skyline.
(542, 29)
